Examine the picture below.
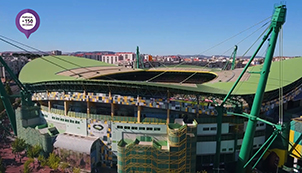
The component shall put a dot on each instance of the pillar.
(49, 105)
(138, 110)
(111, 103)
(65, 108)
(139, 114)
(88, 107)
(112, 109)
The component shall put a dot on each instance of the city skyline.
(158, 28)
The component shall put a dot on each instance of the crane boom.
(278, 20)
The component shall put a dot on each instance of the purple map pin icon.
(27, 21)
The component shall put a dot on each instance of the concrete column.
(111, 103)
(88, 107)
(49, 105)
(112, 109)
(66, 108)
(168, 115)
(138, 110)
(139, 114)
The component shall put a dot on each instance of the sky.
(158, 27)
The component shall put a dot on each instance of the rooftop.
(69, 68)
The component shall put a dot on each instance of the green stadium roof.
(46, 69)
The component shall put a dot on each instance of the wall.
(31, 135)
(67, 124)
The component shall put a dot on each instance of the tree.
(53, 161)
(18, 146)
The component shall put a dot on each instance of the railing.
(121, 119)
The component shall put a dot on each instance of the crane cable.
(246, 38)
(236, 35)
(240, 83)
(77, 65)
(216, 46)
(32, 53)
(281, 76)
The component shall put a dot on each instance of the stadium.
(97, 115)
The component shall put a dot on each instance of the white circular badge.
(27, 21)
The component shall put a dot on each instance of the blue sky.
(159, 27)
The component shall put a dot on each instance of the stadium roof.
(51, 69)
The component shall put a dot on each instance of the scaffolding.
(145, 154)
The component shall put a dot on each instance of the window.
(141, 128)
(120, 127)
(66, 120)
(71, 121)
(156, 129)
(149, 128)
(206, 129)
(126, 127)
(134, 128)
(213, 128)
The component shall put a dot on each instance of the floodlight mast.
(137, 57)
(234, 57)
(277, 21)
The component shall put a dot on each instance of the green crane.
(277, 21)
(234, 59)
(25, 96)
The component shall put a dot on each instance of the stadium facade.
(158, 120)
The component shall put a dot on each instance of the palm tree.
(34, 151)
(18, 146)
(53, 161)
